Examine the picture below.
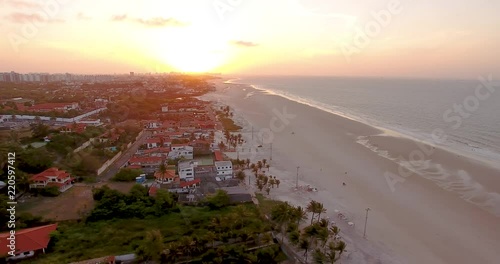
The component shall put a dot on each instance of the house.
(224, 169)
(164, 108)
(151, 124)
(205, 171)
(185, 152)
(28, 242)
(186, 170)
(147, 164)
(176, 187)
(52, 177)
(153, 143)
(73, 128)
(218, 155)
(167, 177)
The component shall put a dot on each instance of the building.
(57, 107)
(29, 242)
(164, 108)
(185, 152)
(147, 164)
(167, 177)
(224, 169)
(52, 177)
(186, 170)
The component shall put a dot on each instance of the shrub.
(126, 175)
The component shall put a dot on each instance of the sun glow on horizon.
(194, 52)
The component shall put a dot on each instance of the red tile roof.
(218, 155)
(168, 174)
(189, 183)
(28, 239)
(42, 176)
(145, 160)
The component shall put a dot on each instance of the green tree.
(151, 247)
(125, 175)
(219, 200)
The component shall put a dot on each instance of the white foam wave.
(456, 181)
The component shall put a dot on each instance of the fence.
(107, 163)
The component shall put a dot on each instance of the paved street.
(115, 167)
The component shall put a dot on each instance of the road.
(115, 167)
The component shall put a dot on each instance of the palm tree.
(320, 209)
(341, 245)
(305, 245)
(331, 255)
(318, 256)
(267, 167)
(259, 165)
(272, 182)
(268, 190)
(248, 163)
(240, 175)
(311, 208)
(299, 214)
(281, 215)
(264, 162)
(334, 230)
(278, 183)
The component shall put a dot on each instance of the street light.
(366, 220)
(297, 182)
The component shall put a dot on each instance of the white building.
(186, 170)
(181, 152)
(224, 169)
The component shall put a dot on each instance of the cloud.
(20, 17)
(23, 4)
(151, 22)
(82, 16)
(160, 22)
(118, 17)
(246, 44)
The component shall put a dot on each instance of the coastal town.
(111, 148)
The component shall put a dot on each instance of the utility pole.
(366, 220)
(252, 133)
(297, 181)
(271, 158)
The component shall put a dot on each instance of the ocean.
(466, 110)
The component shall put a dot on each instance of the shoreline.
(401, 222)
(420, 138)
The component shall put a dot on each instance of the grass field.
(80, 241)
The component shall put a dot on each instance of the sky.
(390, 38)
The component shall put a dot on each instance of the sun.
(194, 52)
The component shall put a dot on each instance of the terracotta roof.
(168, 174)
(42, 176)
(189, 183)
(142, 160)
(218, 155)
(28, 239)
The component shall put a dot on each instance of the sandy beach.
(439, 215)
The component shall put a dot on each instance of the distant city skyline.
(390, 38)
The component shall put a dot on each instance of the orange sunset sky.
(437, 39)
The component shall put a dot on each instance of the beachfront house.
(224, 169)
